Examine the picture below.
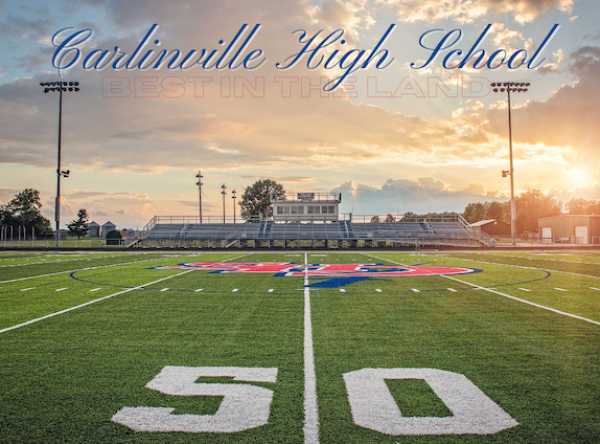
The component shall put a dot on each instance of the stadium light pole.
(199, 183)
(233, 197)
(511, 87)
(59, 87)
(223, 193)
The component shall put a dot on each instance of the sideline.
(311, 412)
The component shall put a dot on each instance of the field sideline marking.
(524, 301)
(88, 303)
(507, 295)
(311, 412)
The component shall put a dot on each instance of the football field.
(300, 347)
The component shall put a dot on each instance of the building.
(492, 227)
(575, 229)
(94, 229)
(306, 207)
(106, 228)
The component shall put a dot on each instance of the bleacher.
(342, 234)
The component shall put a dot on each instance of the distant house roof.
(94, 224)
(482, 222)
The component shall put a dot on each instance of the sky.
(405, 131)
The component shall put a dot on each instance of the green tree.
(80, 226)
(583, 206)
(474, 212)
(533, 205)
(390, 219)
(256, 199)
(375, 219)
(24, 210)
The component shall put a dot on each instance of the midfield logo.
(333, 275)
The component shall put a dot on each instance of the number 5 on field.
(244, 406)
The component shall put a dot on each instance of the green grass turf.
(62, 379)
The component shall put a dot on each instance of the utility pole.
(199, 183)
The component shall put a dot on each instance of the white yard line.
(80, 269)
(311, 412)
(523, 300)
(477, 287)
(88, 303)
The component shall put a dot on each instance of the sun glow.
(578, 177)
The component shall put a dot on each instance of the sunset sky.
(390, 140)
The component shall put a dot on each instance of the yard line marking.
(415, 290)
(560, 289)
(524, 301)
(26, 289)
(591, 288)
(270, 290)
(524, 289)
(452, 289)
(88, 303)
(164, 289)
(96, 289)
(61, 289)
(234, 290)
(342, 290)
(80, 269)
(311, 412)
(200, 289)
(378, 290)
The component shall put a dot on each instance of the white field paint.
(342, 290)
(311, 412)
(80, 269)
(14, 327)
(373, 406)
(560, 289)
(452, 290)
(27, 289)
(527, 302)
(513, 297)
(95, 289)
(523, 289)
(61, 289)
(378, 290)
(591, 288)
(243, 407)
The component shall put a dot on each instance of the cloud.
(421, 195)
(467, 11)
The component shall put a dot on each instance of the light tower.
(223, 193)
(59, 87)
(233, 197)
(199, 183)
(511, 87)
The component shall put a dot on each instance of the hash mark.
(560, 289)
(164, 289)
(342, 290)
(96, 289)
(270, 290)
(200, 289)
(378, 290)
(524, 289)
(234, 290)
(591, 288)
(25, 289)
(415, 290)
(60, 289)
(452, 289)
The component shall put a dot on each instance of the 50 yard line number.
(247, 406)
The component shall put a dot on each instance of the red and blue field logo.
(333, 275)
